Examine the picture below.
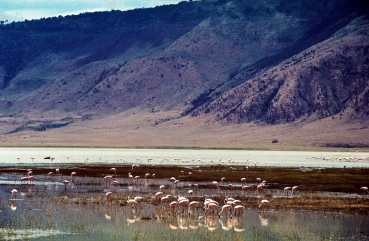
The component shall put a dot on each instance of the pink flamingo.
(215, 183)
(14, 193)
(192, 205)
(196, 188)
(23, 179)
(365, 190)
(294, 190)
(183, 204)
(286, 190)
(245, 188)
(30, 179)
(263, 203)
(173, 207)
(243, 181)
(133, 204)
(158, 197)
(65, 182)
(238, 210)
(226, 208)
(72, 175)
(108, 196)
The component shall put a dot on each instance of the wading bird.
(263, 203)
(14, 193)
(65, 182)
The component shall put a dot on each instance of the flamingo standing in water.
(294, 190)
(133, 203)
(72, 175)
(23, 179)
(14, 193)
(286, 190)
(238, 210)
(65, 182)
(263, 203)
(226, 208)
(108, 196)
(243, 181)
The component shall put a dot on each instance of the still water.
(45, 209)
(11, 156)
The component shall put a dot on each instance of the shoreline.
(292, 149)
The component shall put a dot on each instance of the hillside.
(189, 75)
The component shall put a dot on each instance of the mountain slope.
(220, 62)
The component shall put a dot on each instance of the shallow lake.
(45, 209)
(10, 156)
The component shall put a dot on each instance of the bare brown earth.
(145, 129)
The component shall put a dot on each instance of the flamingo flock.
(171, 200)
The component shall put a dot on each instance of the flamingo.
(222, 180)
(196, 187)
(263, 203)
(212, 206)
(238, 210)
(133, 203)
(30, 179)
(23, 179)
(245, 188)
(72, 176)
(165, 200)
(108, 196)
(14, 193)
(183, 204)
(173, 206)
(190, 192)
(138, 199)
(285, 191)
(215, 183)
(115, 184)
(65, 182)
(107, 180)
(243, 181)
(365, 190)
(226, 208)
(176, 183)
(294, 190)
(158, 197)
(192, 205)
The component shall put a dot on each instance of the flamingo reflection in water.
(13, 205)
(263, 219)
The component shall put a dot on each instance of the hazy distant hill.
(232, 62)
